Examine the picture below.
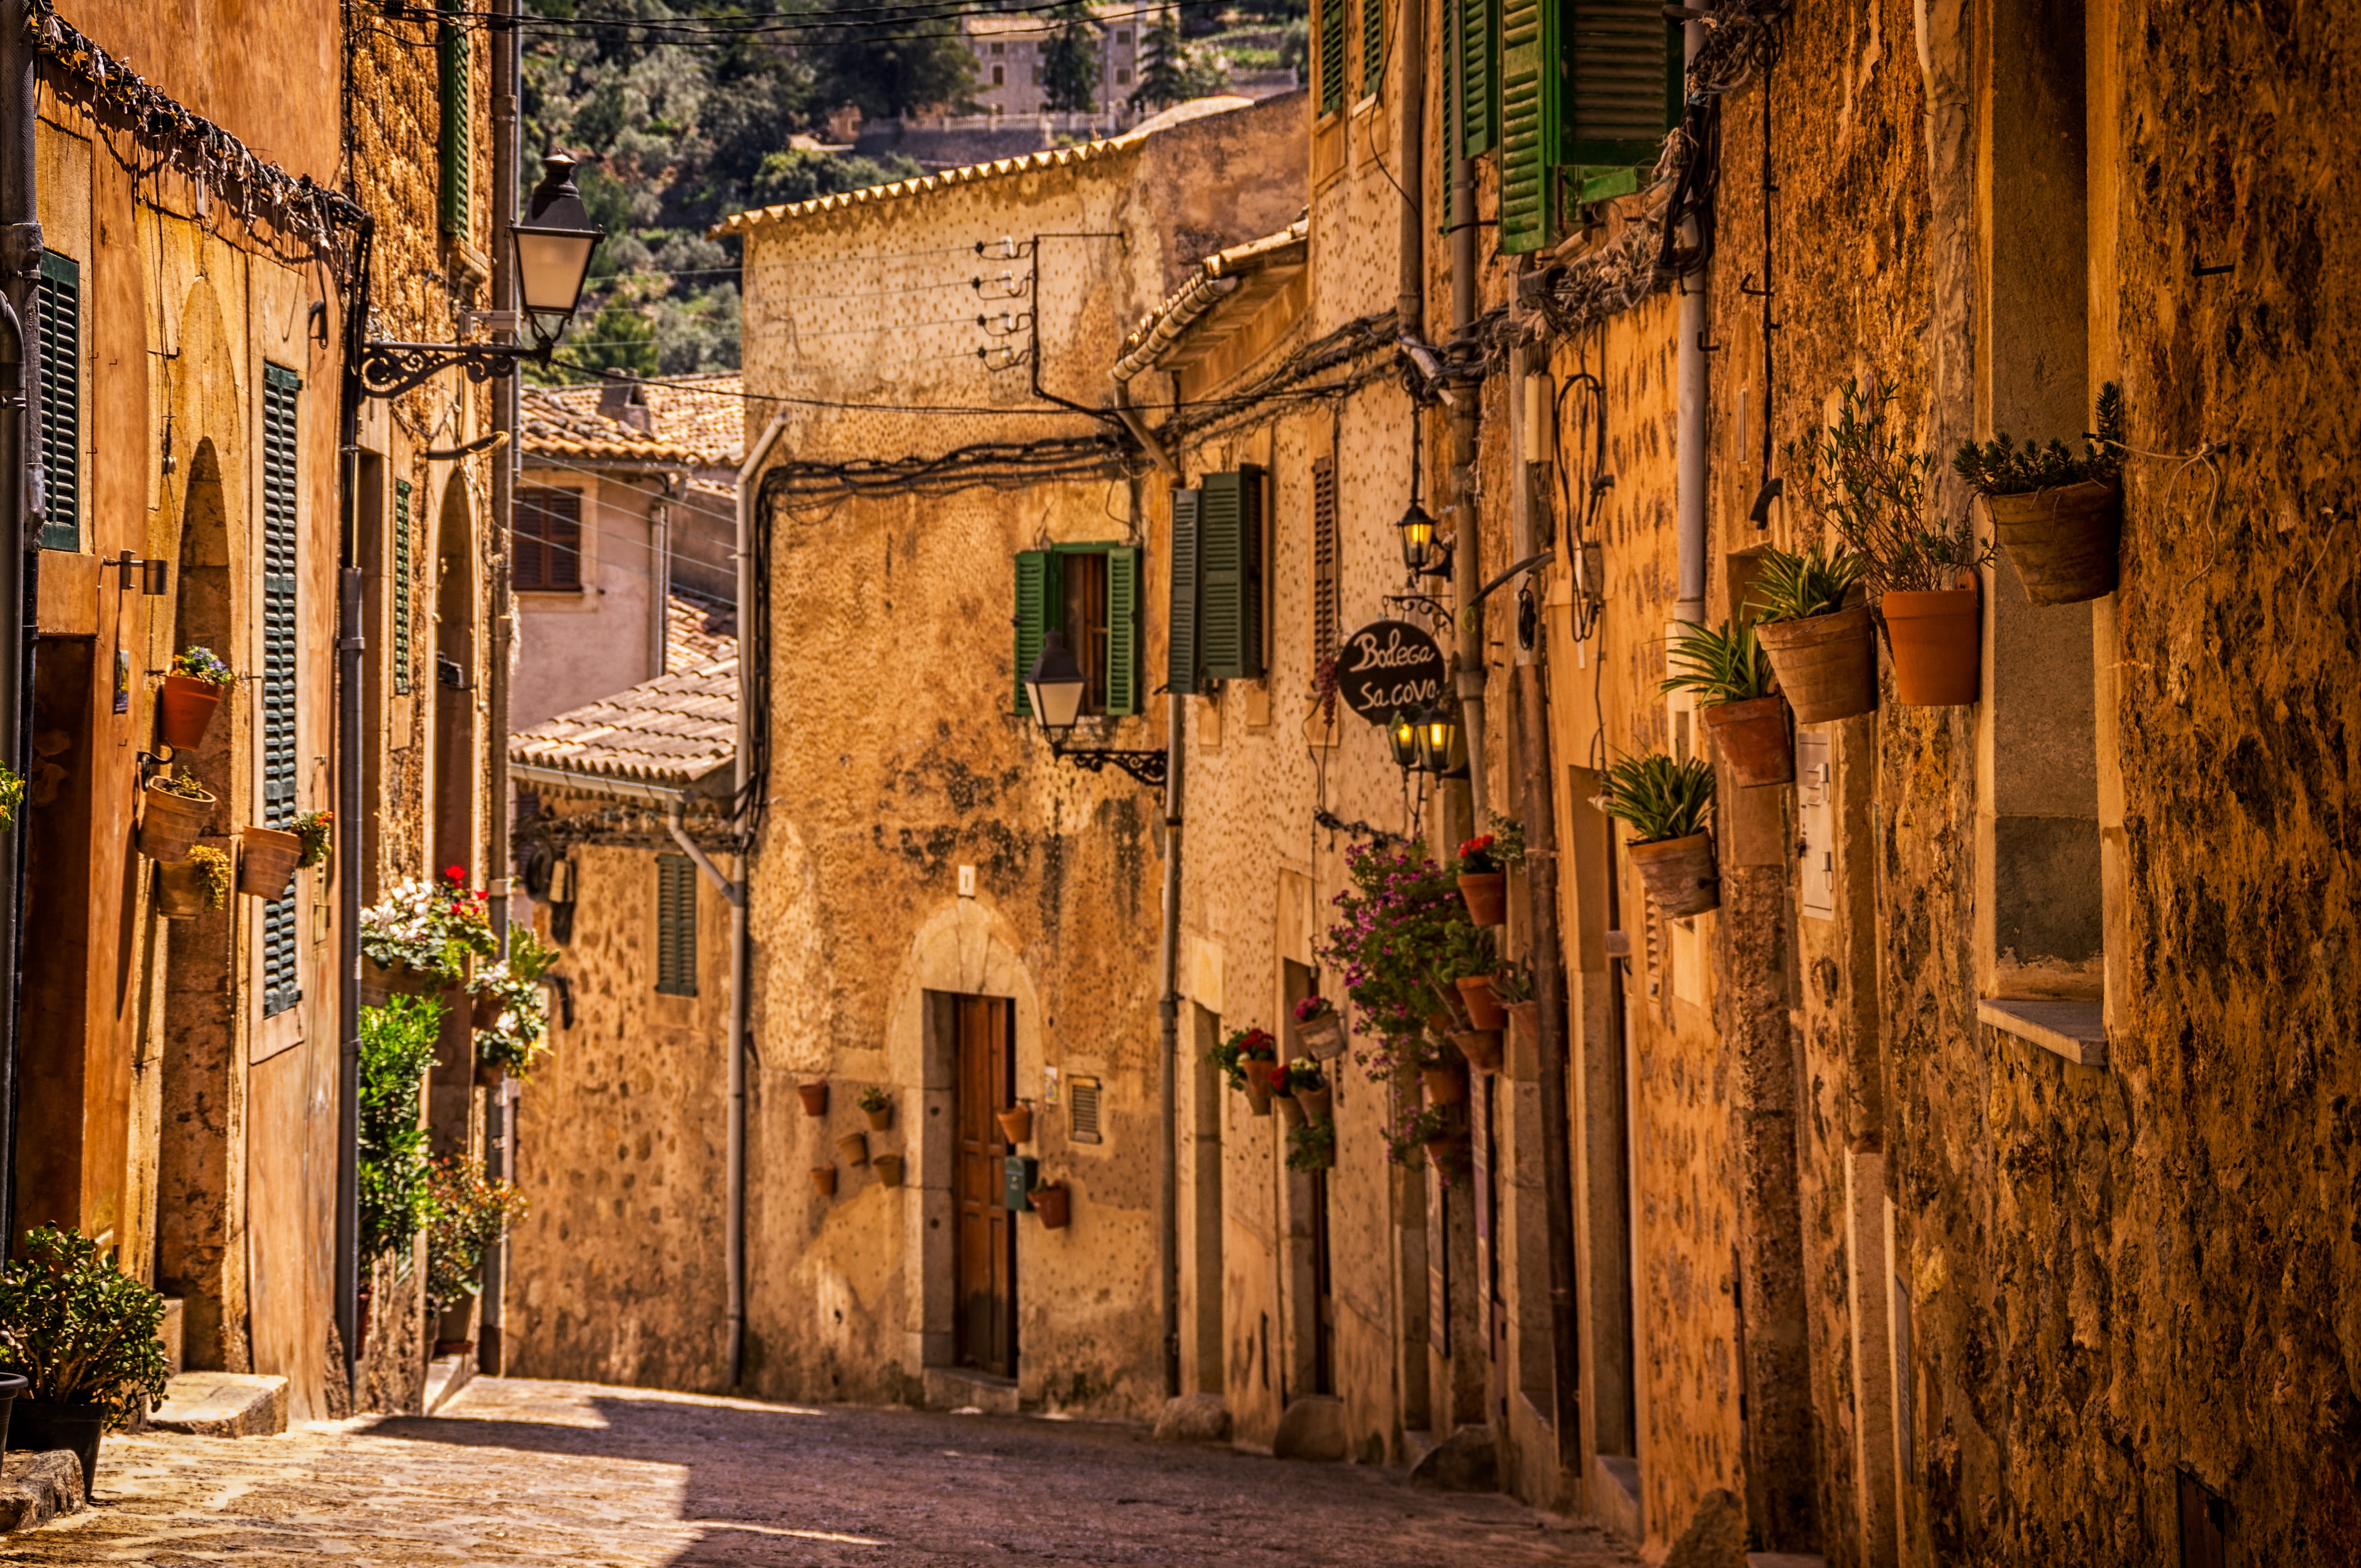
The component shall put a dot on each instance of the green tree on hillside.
(1163, 78)
(1071, 66)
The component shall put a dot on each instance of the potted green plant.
(397, 1048)
(1312, 1146)
(1443, 1072)
(1513, 989)
(266, 858)
(193, 687)
(1282, 1091)
(1820, 643)
(12, 796)
(1247, 1058)
(1482, 884)
(1730, 675)
(509, 1012)
(313, 828)
(1664, 804)
(172, 812)
(1470, 960)
(421, 935)
(83, 1335)
(1310, 1088)
(1873, 486)
(2058, 515)
(875, 1105)
(1412, 1129)
(1320, 1027)
(194, 886)
(473, 1212)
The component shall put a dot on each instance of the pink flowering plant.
(433, 927)
(1312, 1007)
(1393, 943)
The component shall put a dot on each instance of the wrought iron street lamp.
(1402, 734)
(1422, 552)
(1054, 688)
(554, 242)
(1437, 732)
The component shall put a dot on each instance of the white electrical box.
(1816, 819)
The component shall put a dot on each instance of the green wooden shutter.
(400, 586)
(1122, 630)
(1373, 46)
(1229, 623)
(1529, 130)
(58, 331)
(1331, 56)
(1180, 664)
(281, 974)
(1623, 87)
(675, 925)
(1037, 572)
(452, 62)
(1477, 53)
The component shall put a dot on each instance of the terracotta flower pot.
(879, 1119)
(1753, 739)
(1016, 1122)
(853, 1148)
(184, 708)
(1445, 1085)
(168, 824)
(815, 1098)
(888, 1168)
(381, 981)
(1054, 1204)
(1483, 1007)
(489, 1074)
(1827, 665)
(1936, 638)
(483, 1010)
(2062, 541)
(1323, 1037)
(1259, 1071)
(37, 1426)
(1679, 874)
(265, 861)
(181, 890)
(1525, 1022)
(1290, 1110)
(1319, 1104)
(1445, 1153)
(1481, 1047)
(1485, 893)
(824, 1180)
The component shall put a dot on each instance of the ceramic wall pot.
(265, 861)
(1290, 1110)
(1679, 874)
(1481, 1047)
(1937, 639)
(1827, 665)
(888, 1168)
(853, 1148)
(1483, 1007)
(1016, 1122)
(1319, 1104)
(1485, 893)
(2062, 541)
(824, 1180)
(1525, 1022)
(1752, 736)
(1258, 1070)
(1444, 1085)
(1323, 1037)
(181, 890)
(168, 824)
(184, 710)
(1054, 1204)
(879, 1119)
(815, 1098)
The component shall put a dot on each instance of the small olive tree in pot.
(82, 1334)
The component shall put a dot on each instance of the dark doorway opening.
(985, 1326)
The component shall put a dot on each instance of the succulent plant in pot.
(1820, 640)
(1730, 675)
(2060, 516)
(877, 1106)
(1665, 802)
(82, 1334)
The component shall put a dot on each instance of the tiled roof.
(697, 420)
(696, 633)
(1276, 256)
(667, 733)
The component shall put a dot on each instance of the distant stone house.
(1012, 55)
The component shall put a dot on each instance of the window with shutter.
(1529, 122)
(281, 974)
(452, 62)
(1229, 556)
(545, 541)
(1325, 610)
(1090, 593)
(1331, 56)
(400, 586)
(58, 331)
(1180, 662)
(1623, 86)
(1476, 26)
(675, 925)
(1123, 630)
(1373, 46)
(1033, 572)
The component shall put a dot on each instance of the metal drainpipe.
(740, 939)
(351, 639)
(1410, 148)
(1168, 1028)
(1689, 425)
(1465, 577)
(499, 1119)
(20, 253)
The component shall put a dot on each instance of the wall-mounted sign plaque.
(1390, 667)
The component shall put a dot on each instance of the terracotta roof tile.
(670, 732)
(696, 421)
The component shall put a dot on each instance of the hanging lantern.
(1402, 733)
(1437, 732)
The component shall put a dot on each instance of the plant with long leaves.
(1658, 798)
(79, 1330)
(1799, 585)
(1719, 664)
(2001, 468)
(1872, 485)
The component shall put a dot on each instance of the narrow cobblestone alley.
(517, 1474)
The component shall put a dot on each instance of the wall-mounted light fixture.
(1054, 687)
(152, 577)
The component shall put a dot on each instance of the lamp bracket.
(390, 369)
(1146, 767)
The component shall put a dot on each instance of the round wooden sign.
(1390, 667)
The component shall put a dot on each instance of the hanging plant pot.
(1054, 1204)
(1445, 1085)
(1827, 665)
(1290, 1110)
(1444, 1151)
(824, 1180)
(183, 891)
(1319, 1104)
(184, 708)
(1016, 1122)
(1485, 893)
(1753, 740)
(853, 1148)
(2062, 541)
(1483, 1007)
(1481, 1047)
(1525, 1023)
(380, 980)
(484, 1010)
(888, 1168)
(489, 1074)
(879, 1119)
(1323, 1037)
(1679, 874)
(168, 824)
(1259, 1071)
(265, 861)
(43, 1425)
(815, 1098)
(1937, 638)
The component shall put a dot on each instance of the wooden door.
(985, 1332)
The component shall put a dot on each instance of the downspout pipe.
(1690, 421)
(20, 253)
(735, 892)
(741, 956)
(1168, 1029)
(351, 641)
(1467, 574)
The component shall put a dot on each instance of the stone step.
(37, 1487)
(956, 1389)
(222, 1404)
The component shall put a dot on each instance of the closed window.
(1090, 593)
(452, 148)
(60, 330)
(1123, 35)
(401, 656)
(545, 541)
(1123, 74)
(1000, 49)
(282, 980)
(675, 925)
(999, 73)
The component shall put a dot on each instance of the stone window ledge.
(2076, 1030)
